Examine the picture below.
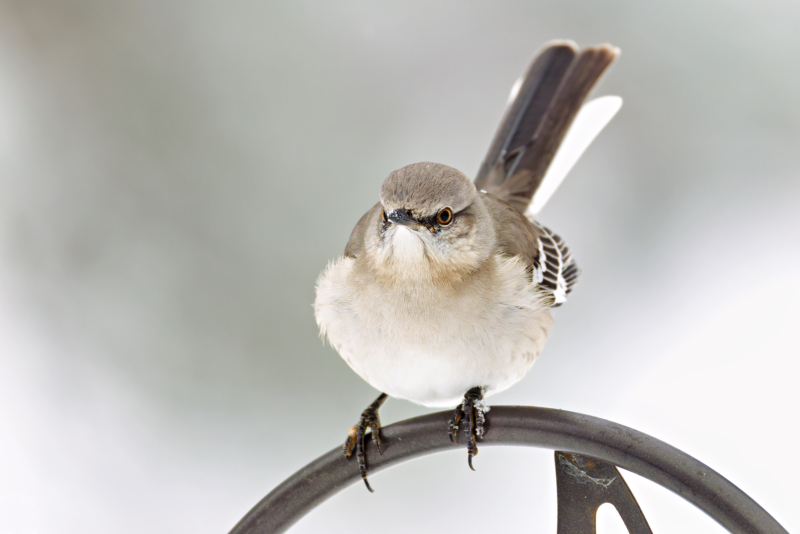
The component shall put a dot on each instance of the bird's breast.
(428, 343)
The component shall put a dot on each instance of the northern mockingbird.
(444, 292)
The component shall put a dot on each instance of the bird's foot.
(473, 409)
(356, 436)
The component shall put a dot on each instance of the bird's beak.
(402, 217)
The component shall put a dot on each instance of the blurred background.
(174, 175)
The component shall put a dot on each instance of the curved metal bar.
(526, 426)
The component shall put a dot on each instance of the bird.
(444, 293)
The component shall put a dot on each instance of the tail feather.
(539, 116)
(590, 121)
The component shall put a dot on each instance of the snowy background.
(168, 172)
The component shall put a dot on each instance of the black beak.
(402, 217)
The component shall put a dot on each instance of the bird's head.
(433, 224)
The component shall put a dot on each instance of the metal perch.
(577, 434)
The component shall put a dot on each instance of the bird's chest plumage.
(429, 345)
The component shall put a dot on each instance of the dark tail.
(552, 91)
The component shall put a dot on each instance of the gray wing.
(551, 93)
(550, 263)
(356, 243)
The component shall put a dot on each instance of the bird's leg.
(355, 437)
(473, 410)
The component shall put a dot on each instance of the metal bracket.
(584, 484)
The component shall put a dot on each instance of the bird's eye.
(445, 216)
(383, 215)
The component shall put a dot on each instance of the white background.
(174, 175)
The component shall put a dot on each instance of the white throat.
(406, 246)
(403, 255)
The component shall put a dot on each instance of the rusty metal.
(557, 430)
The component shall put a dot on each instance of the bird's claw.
(357, 434)
(473, 410)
